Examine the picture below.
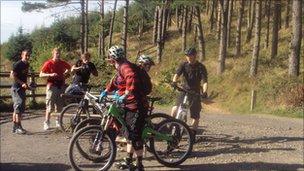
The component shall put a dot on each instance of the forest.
(249, 47)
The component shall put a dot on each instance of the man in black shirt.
(82, 70)
(193, 73)
(19, 74)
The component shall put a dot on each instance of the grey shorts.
(54, 101)
(18, 96)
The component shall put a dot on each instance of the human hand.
(121, 99)
(204, 95)
(53, 74)
(102, 95)
(25, 86)
(174, 84)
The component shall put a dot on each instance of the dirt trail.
(226, 142)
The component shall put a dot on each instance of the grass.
(277, 93)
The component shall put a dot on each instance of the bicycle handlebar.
(191, 92)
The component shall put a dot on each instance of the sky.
(12, 17)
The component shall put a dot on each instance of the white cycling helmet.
(116, 53)
(143, 59)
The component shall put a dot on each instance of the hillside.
(276, 92)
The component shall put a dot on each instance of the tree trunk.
(295, 48)
(112, 24)
(177, 17)
(190, 16)
(169, 16)
(280, 15)
(207, 7)
(223, 42)
(164, 24)
(239, 28)
(155, 26)
(268, 11)
(125, 28)
(275, 29)
(82, 29)
(201, 40)
(182, 19)
(101, 49)
(257, 35)
(249, 13)
(184, 29)
(229, 22)
(86, 21)
(159, 34)
(249, 29)
(287, 14)
(219, 22)
(213, 10)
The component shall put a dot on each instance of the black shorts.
(135, 123)
(18, 96)
(194, 102)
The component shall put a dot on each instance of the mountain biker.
(19, 74)
(193, 73)
(82, 71)
(145, 62)
(136, 104)
(56, 70)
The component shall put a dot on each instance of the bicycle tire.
(87, 122)
(74, 139)
(155, 125)
(72, 125)
(188, 151)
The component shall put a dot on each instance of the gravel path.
(226, 142)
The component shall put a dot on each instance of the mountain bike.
(74, 113)
(100, 147)
(183, 109)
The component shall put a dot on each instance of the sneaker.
(57, 124)
(14, 129)
(125, 164)
(46, 125)
(20, 130)
(139, 168)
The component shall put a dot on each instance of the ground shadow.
(33, 166)
(243, 166)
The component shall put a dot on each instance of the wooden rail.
(32, 94)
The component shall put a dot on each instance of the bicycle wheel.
(96, 143)
(70, 116)
(155, 119)
(87, 122)
(175, 152)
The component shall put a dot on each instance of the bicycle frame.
(183, 109)
(148, 132)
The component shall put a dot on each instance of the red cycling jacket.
(127, 79)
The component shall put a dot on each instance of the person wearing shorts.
(193, 73)
(19, 74)
(55, 70)
(127, 87)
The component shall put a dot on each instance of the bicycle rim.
(100, 151)
(175, 152)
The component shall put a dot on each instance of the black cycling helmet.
(190, 51)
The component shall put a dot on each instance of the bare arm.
(74, 69)
(175, 78)
(17, 80)
(42, 74)
(205, 87)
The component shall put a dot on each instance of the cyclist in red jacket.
(127, 86)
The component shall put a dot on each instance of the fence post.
(33, 93)
(253, 99)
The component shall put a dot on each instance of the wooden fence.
(32, 79)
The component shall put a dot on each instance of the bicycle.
(74, 113)
(101, 147)
(183, 108)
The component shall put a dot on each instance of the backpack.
(144, 84)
